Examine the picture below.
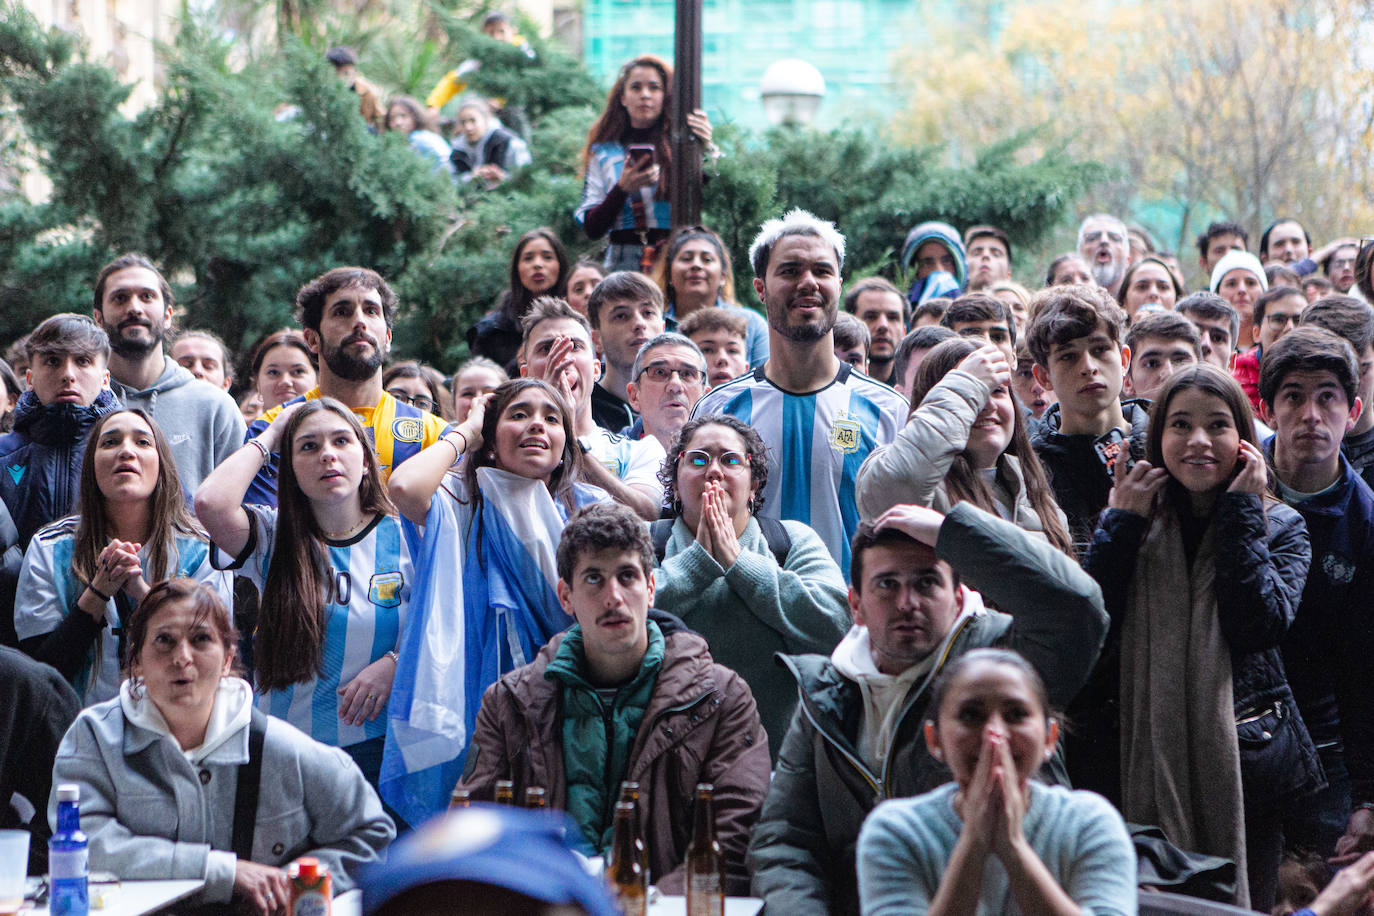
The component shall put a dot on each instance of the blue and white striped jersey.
(816, 443)
(368, 595)
(49, 589)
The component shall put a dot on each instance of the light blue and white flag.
(484, 603)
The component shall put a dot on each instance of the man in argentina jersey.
(346, 316)
(369, 592)
(819, 417)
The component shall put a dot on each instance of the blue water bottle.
(67, 861)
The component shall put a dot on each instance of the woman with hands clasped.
(994, 840)
(83, 575)
(721, 572)
(1202, 571)
(965, 441)
(333, 570)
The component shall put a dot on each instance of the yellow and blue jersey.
(396, 431)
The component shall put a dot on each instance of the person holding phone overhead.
(627, 164)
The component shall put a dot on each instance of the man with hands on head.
(856, 736)
(557, 348)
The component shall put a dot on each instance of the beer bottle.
(705, 863)
(505, 792)
(629, 880)
(460, 798)
(535, 797)
(629, 792)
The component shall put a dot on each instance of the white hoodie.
(231, 712)
(885, 695)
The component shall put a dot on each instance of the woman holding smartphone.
(627, 164)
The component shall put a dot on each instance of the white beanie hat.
(1239, 260)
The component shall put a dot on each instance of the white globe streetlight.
(791, 90)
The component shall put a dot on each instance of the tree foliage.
(252, 174)
(1206, 109)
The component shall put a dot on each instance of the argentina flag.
(484, 602)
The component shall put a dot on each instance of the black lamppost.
(687, 152)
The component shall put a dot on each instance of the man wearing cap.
(989, 257)
(1239, 279)
(624, 694)
(935, 252)
(486, 862)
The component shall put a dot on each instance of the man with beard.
(885, 311)
(346, 316)
(1103, 243)
(133, 303)
(819, 417)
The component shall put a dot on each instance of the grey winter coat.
(149, 813)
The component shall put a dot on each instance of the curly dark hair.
(753, 446)
(603, 526)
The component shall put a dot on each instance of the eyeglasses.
(661, 372)
(419, 401)
(699, 460)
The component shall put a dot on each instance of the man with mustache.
(1308, 385)
(1105, 245)
(818, 417)
(133, 303)
(625, 693)
(346, 316)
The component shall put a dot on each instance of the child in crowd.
(722, 336)
(852, 341)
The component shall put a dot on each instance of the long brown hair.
(962, 481)
(614, 122)
(662, 272)
(569, 471)
(290, 636)
(169, 515)
(516, 300)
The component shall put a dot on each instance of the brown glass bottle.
(536, 797)
(461, 798)
(629, 792)
(705, 863)
(629, 881)
(505, 792)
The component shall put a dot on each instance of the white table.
(134, 898)
(351, 904)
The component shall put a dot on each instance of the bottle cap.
(68, 792)
(309, 868)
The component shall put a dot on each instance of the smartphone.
(641, 155)
(1112, 446)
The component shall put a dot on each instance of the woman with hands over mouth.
(333, 570)
(83, 575)
(721, 572)
(994, 840)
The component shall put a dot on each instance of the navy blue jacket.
(41, 458)
(1328, 648)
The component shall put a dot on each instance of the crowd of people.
(963, 599)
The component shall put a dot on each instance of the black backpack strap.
(779, 541)
(246, 794)
(660, 531)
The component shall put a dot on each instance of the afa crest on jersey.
(384, 589)
(845, 435)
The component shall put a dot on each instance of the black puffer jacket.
(1262, 557)
(1080, 480)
